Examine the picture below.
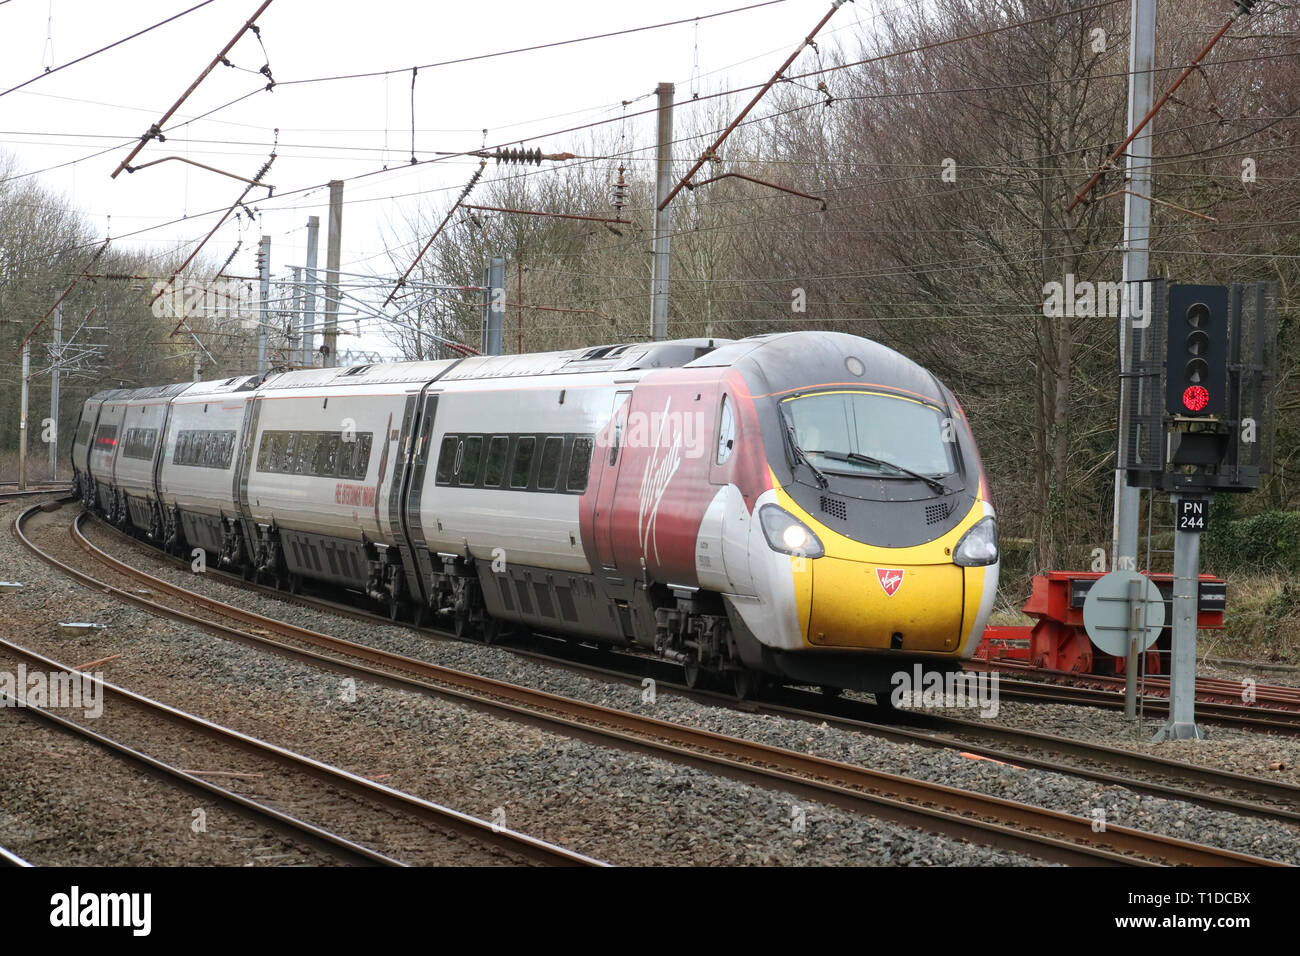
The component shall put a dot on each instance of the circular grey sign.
(1118, 602)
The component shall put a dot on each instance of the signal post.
(1198, 421)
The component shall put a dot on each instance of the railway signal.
(1198, 401)
(1197, 420)
(1197, 363)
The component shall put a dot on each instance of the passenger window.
(523, 464)
(579, 465)
(327, 455)
(550, 468)
(347, 458)
(726, 431)
(265, 453)
(304, 459)
(362, 465)
(447, 460)
(496, 461)
(287, 452)
(469, 464)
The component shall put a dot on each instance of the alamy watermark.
(927, 688)
(59, 690)
(1072, 298)
(212, 296)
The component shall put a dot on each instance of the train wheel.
(295, 583)
(746, 683)
(417, 614)
(491, 630)
(693, 673)
(394, 609)
(885, 699)
(831, 692)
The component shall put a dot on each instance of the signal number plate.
(1193, 514)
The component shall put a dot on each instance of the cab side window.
(726, 430)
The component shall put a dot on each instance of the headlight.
(979, 545)
(787, 534)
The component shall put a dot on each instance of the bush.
(1263, 542)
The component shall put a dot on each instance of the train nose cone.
(915, 607)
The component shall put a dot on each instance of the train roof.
(601, 358)
(148, 392)
(221, 386)
(785, 361)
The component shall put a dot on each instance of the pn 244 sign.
(1193, 514)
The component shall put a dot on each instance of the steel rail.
(1044, 833)
(337, 846)
(848, 715)
(8, 858)
(1232, 715)
(1219, 690)
(491, 835)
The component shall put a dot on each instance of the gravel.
(616, 806)
(53, 811)
(1242, 751)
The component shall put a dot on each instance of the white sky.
(340, 129)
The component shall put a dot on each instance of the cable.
(284, 194)
(539, 46)
(80, 59)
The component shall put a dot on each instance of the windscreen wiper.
(800, 454)
(934, 483)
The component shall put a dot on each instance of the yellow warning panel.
(858, 604)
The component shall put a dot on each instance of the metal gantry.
(299, 299)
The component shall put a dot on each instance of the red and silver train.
(806, 507)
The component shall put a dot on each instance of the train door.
(412, 491)
(159, 448)
(611, 458)
(90, 440)
(243, 467)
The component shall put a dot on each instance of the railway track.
(328, 783)
(1264, 720)
(334, 791)
(1209, 690)
(9, 495)
(1277, 719)
(332, 844)
(1048, 834)
(1162, 777)
(11, 859)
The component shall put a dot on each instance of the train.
(802, 508)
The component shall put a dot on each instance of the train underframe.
(696, 628)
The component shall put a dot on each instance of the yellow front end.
(903, 599)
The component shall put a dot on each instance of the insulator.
(518, 156)
(620, 192)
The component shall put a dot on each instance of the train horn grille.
(835, 508)
(937, 512)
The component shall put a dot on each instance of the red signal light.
(1195, 398)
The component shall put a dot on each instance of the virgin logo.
(891, 579)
